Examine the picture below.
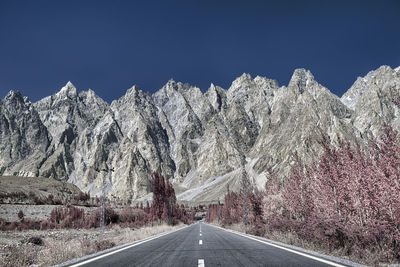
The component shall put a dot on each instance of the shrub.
(3, 224)
(67, 217)
(82, 197)
(36, 240)
(20, 215)
(103, 245)
(110, 216)
(257, 229)
(50, 200)
(13, 226)
(47, 224)
(132, 216)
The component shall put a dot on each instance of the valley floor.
(9, 212)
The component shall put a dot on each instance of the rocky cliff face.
(196, 139)
(67, 116)
(375, 100)
(25, 141)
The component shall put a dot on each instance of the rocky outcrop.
(24, 139)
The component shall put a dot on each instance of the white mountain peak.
(244, 78)
(133, 90)
(69, 84)
(68, 90)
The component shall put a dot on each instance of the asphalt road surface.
(204, 245)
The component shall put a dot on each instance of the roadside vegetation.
(70, 233)
(347, 203)
(163, 209)
(51, 247)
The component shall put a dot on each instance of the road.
(203, 245)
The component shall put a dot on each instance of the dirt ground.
(17, 248)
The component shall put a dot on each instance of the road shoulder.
(334, 261)
(113, 250)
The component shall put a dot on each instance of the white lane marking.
(124, 248)
(201, 263)
(287, 249)
(201, 234)
(200, 242)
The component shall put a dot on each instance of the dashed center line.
(201, 234)
(200, 242)
(201, 263)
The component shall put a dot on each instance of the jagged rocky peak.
(241, 81)
(65, 109)
(134, 98)
(177, 90)
(137, 118)
(245, 88)
(217, 97)
(135, 93)
(134, 103)
(89, 95)
(23, 138)
(181, 104)
(13, 94)
(374, 79)
(183, 112)
(171, 88)
(15, 102)
(301, 79)
(245, 81)
(375, 100)
(302, 84)
(69, 90)
(161, 96)
(240, 87)
(252, 95)
(66, 93)
(263, 82)
(68, 117)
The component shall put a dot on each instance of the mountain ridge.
(195, 138)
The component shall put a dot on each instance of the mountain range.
(198, 140)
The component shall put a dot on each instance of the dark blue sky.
(110, 45)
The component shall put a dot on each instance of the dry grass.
(370, 259)
(63, 245)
